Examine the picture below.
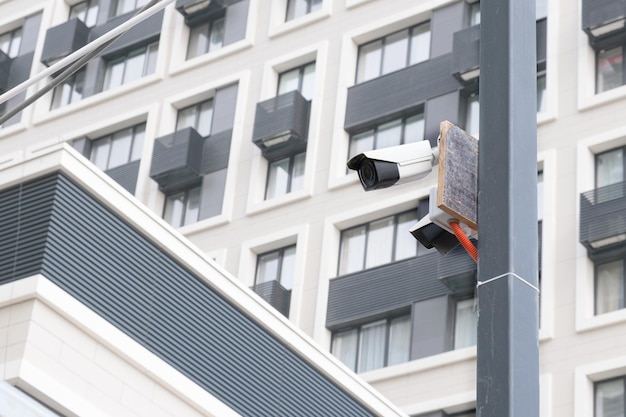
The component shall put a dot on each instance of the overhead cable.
(77, 59)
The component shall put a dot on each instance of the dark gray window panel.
(236, 21)
(177, 158)
(216, 151)
(64, 39)
(284, 120)
(377, 291)
(20, 71)
(129, 281)
(24, 224)
(598, 13)
(126, 175)
(466, 49)
(5, 70)
(457, 271)
(603, 217)
(30, 34)
(443, 24)
(213, 187)
(432, 332)
(225, 103)
(438, 109)
(141, 34)
(275, 295)
(397, 94)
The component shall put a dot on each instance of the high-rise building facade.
(232, 121)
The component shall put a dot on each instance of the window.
(298, 8)
(278, 266)
(377, 243)
(301, 79)
(465, 323)
(86, 11)
(285, 175)
(10, 42)
(541, 92)
(609, 286)
(131, 66)
(183, 207)
(610, 167)
(474, 14)
(69, 91)
(206, 37)
(609, 175)
(472, 115)
(125, 6)
(609, 68)
(199, 116)
(396, 132)
(609, 398)
(393, 52)
(118, 148)
(374, 345)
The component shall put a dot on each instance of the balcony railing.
(603, 18)
(397, 94)
(177, 158)
(275, 295)
(63, 39)
(603, 217)
(466, 51)
(393, 286)
(281, 125)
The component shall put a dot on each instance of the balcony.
(603, 217)
(194, 10)
(603, 18)
(397, 94)
(465, 65)
(5, 70)
(457, 271)
(64, 39)
(177, 158)
(281, 125)
(275, 295)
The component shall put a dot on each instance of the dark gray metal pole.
(508, 351)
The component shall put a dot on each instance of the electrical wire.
(77, 59)
(464, 240)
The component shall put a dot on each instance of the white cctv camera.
(382, 168)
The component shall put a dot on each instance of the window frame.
(149, 51)
(607, 47)
(393, 257)
(301, 78)
(118, 6)
(311, 6)
(621, 256)
(411, 30)
(359, 332)
(186, 192)
(198, 115)
(13, 49)
(209, 25)
(90, 18)
(377, 128)
(280, 266)
(71, 82)
(290, 178)
(134, 143)
(603, 381)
